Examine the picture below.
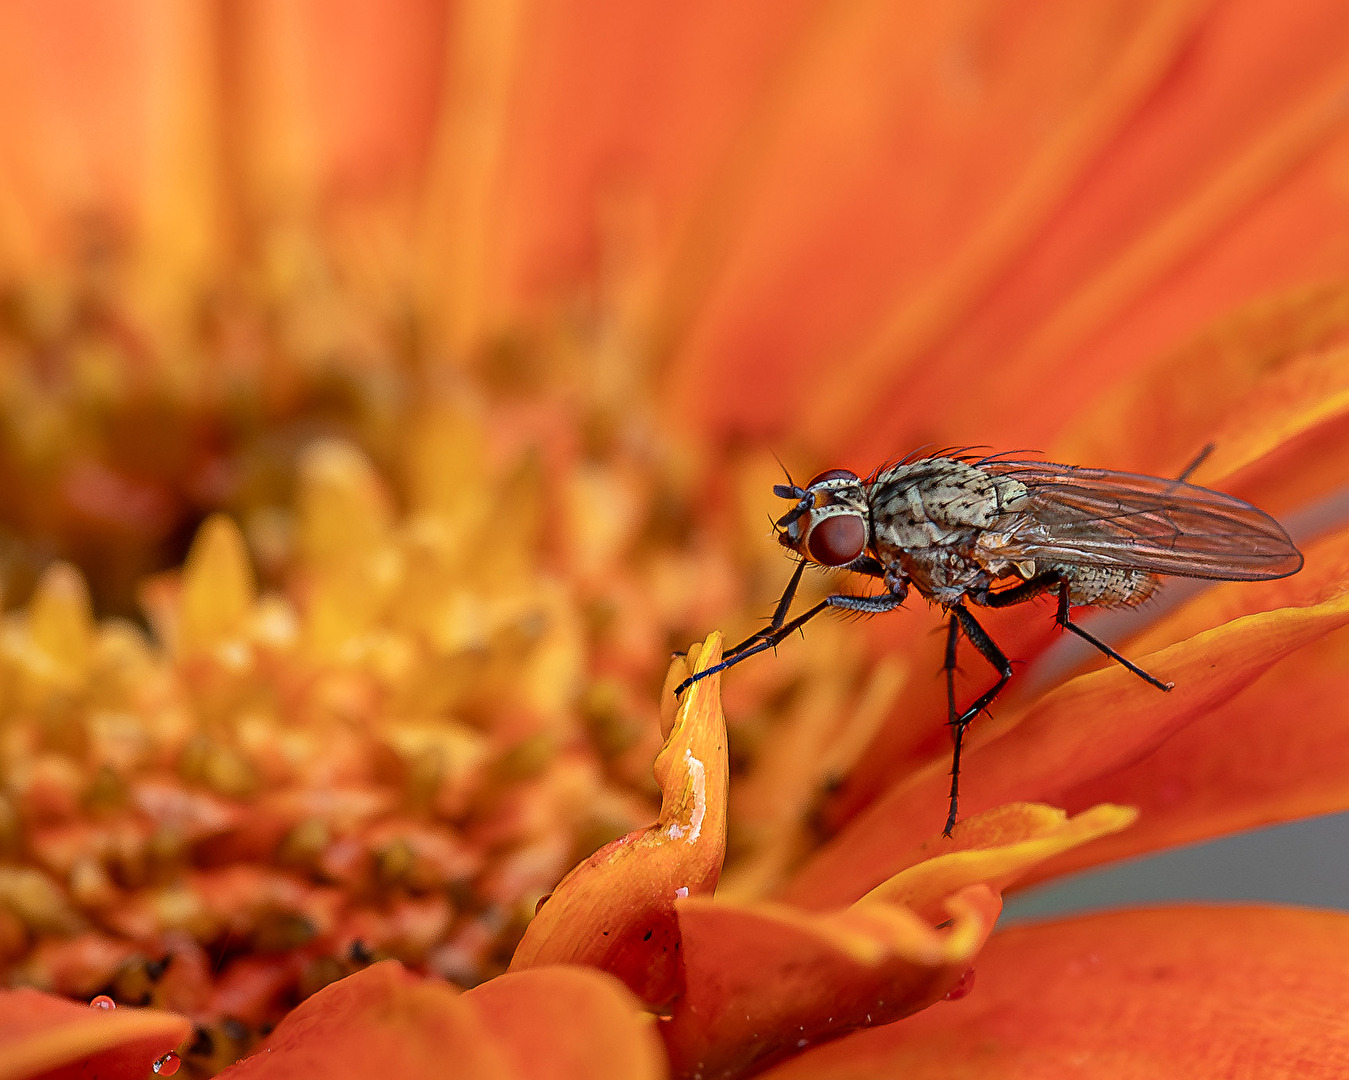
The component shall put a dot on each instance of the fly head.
(829, 523)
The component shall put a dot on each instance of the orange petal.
(559, 1023)
(375, 75)
(1217, 189)
(1278, 243)
(1223, 384)
(42, 1035)
(1265, 386)
(1277, 751)
(674, 99)
(616, 910)
(894, 195)
(1091, 725)
(1172, 992)
(996, 848)
(383, 1021)
(765, 979)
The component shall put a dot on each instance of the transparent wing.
(1095, 517)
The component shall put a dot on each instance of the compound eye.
(833, 474)
(838, 540)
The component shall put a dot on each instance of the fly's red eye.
(838, 540)
(833, 474)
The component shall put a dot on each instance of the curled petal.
(995, 849)
(616, 911)
(1201, 991)
(42, 1035)
(765, 979)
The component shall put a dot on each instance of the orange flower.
(463, 315)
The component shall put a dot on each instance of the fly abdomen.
(1107, 586)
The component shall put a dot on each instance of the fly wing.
(1095, 517)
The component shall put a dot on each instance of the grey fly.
(963, 529)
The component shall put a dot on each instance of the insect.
(966, 529)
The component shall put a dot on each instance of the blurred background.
(387, 388)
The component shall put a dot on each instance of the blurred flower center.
(409, 673)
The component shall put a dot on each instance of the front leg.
(771, 637)
(784, 605)
(863, 565)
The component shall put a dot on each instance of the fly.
(963, 529)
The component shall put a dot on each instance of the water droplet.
(962, 987)
(681, 892)
(103, 1002)
(168, 1064)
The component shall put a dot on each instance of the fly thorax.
(943, 574)
(944, 494)
(989, 547)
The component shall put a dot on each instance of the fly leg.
(952, 636)
(784, 605)
(1067, 623)
(863, 565)
(1044, 583)
(1199, 459)
(963, 621)
(777, 630)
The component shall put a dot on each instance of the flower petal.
(996, 848)
(1171, 992)
(1247, 382)
(1089, 726)
(680, 99)
(559, 1023)
(383, 1021)
(50, 1036)
(765, 979)
(898, 190)
(553, 1023)
(616, 911)
(1217, 189)
(1277, 751)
